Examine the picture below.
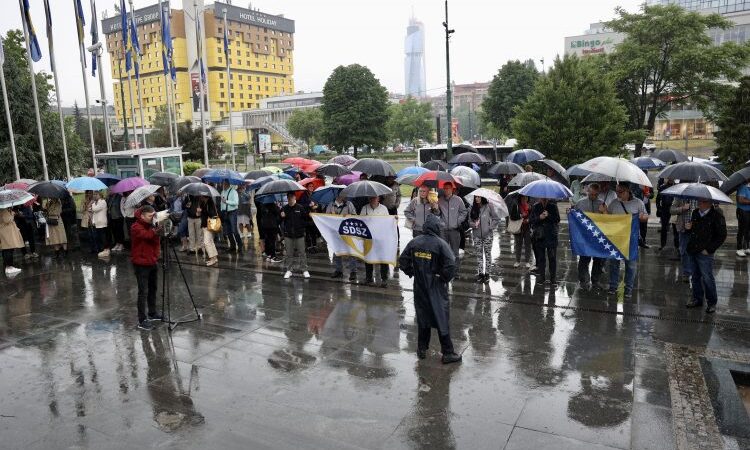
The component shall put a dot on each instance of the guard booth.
(142, 162)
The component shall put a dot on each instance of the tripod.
(165, 286)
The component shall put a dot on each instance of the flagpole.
(10, 123)
(33, 91)
(229, 97)
(198, 39)
(122, 102)
(173, 87)
(138, 78)
(167, 74)
(86, 93)
(98, 52)
(132, 109)
(53, 66)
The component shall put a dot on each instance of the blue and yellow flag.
(36, 51)
(48, 15)
(135, 47)
(166, 43)
(609, 236)
(94, 37)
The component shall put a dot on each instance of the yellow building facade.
(261, 48)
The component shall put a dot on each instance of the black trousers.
(27, 233)
(743, 229)
(269, 241)
(551, 255)
(311, 235)
(146, 276)
(370, 269)
(8, 258)
(596, 269)
(423, 340)
(664, 230)
(117, 230)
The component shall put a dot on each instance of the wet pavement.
(327, 364)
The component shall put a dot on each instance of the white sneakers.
(118, 248)
(12, 271)
(288, 275)
(104, 253)
(306, 274)
(516, 264)
(742, 253)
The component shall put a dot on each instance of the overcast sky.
(368, 32)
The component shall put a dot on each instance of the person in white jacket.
(98, 211)
(374, 208)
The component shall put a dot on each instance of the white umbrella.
(468, 173)
(618, 168)
(140, 194)
(492, 197)
(697, 191)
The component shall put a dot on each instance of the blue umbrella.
(575, 171)
(271, 198)
(546, 189)
(325, 195)
(413, 170)
(221, 175)
(86, 184)
(525, 155)
(648, 163)
(108, 178)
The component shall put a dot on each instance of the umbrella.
(257, 184)
(272, 169)
(48, 189)
(348, 179)
(310, 167)
(737, 179)
(522, 179)
(19, 185)
(86, 184)
(434, 179)
(408, 179)
(333, 170)
(179, 182)
(222, 175)
(467, 173)
(326, 194)
(255, 174)
(199, 189)
(14, 197)
(128, 184)
(597, 178)
(108, 178)
(505, 168)
(716, 164)
(436, 164)
(295, 160)
(372, 166)
(27, 181)
(524, 156)
(468, 158)
(670, 156)
(273, 198)
(201, 172)
(648, 162)
(692, 171)
(280, 187)
(292, 171)
(492, 197)
(697, 191)
(141, 193)
(561, 175)
(546, 189)
(366, 188)
(576, 171)
(162, 178)
(344, 160)
(411, 170)
(317, 182)
(617, 168)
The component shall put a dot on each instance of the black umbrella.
(201, 172)
(255, 174)
(438, 165)
(670, 156)
(522, 179)
(48, 189)
(199, 190)
(162, 178)
(468, 158)
(179, 182)
(366, 188)
(505, 168)
(737, 179)
(372, 166)
(560, 173)
(692, 171)
(333, 170)
(279, 187)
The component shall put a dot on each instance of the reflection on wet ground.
(323, 364)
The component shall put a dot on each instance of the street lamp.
(448, 94)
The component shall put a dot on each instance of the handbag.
(514, 226)
(214, 224)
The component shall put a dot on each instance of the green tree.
(159, 136)
(78, 125)
(733, 136)
(355, 109)
(191, 141)
(21, 105)
(306, 124)
(667, 57)
(572, 115)
(410, 121)
(509, 88)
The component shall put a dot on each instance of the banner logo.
(356, 235)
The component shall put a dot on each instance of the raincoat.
(430, 260)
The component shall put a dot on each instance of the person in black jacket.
(544, 219)
(663, 204)
(294, 218)
(429, 259)
(708, 230)
(269, 220)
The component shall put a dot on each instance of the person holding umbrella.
(10, 240)
(374, 208)
(145, 249)
(453, 212)
(269, 220)
(230, 202)
(116, 221)
(625, 204)
(544, 219)
(294, 219)
(98, 212)
(419, 208)
(707, 232)
(743, 220)
(483, 220)
(206, 209)
(56, 237)
(591, 204)
(342, 207)
(683, 209)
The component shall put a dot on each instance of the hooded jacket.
(488, 220)
(144, 242)
(453, 211)
(430, 260)
(417, 211)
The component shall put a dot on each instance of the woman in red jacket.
(144, 253)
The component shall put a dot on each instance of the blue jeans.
(229, 227)
(182, 227)
(614, 274)
(704, 284)
(687, 268)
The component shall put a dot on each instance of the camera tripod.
(166, 261)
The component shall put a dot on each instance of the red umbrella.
(309, 167)
(295, 160)
(317, 182)
(20, 185)
(434, 179)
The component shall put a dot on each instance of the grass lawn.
(702, 148)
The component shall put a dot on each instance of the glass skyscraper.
(414, 62)
(718, 6)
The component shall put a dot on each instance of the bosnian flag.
(609, 236)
